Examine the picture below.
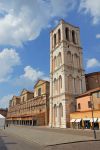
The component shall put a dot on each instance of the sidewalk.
(46, 136)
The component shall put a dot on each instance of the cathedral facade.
(67, 78)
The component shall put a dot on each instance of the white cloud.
(4, 101)
(29, 77)
(93, 62)
(31, 73)
(23, 20)
(92, 7)
(98, 36)
(9, 58)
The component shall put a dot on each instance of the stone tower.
(67, 78)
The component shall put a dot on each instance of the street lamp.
(92, 106)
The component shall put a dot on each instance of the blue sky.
(24, 39)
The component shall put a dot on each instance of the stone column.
(51, 112)
(64, 120)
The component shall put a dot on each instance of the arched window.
(59, 59)
(55, 84)
(67, 33)
(69, 56)
(55, 114)
(76, 60)
(77, 85)
(55, 62)
(59, 36)
(60, 83)
(73, 37)
(54, 40)
(70, 84)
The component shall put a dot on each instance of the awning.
(86, 119)
(93, 120)
(73, 120)
(78, 120)
(98, 119)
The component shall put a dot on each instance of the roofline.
(88, 93)
(84, 111)
(92, 73)
(27, 91)
(40, 80)
(61, 22)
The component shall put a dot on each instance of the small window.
(89, 104)
(39, 92)
(79, 106)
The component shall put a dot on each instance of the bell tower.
(67, 78)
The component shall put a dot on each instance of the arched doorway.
(55, 114)
(60, 113)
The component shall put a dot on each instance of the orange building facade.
(93, 78)
(88, 110)
(30, 108)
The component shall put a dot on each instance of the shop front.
(85, 120)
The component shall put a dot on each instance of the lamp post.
(92, 104)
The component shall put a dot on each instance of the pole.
(94, 132)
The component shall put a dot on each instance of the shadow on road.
(4, 142)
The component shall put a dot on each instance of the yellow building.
(88, 110)
(30, 108)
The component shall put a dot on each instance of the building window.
(55, 62)
(59, 59)
(89, 104)
(73, 37)
(60, 83)
(39, 92)
(67, 33)
(79, 106)
(59, 36)
(54, 40)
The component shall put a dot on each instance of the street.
(42, 138)
(13, 142)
